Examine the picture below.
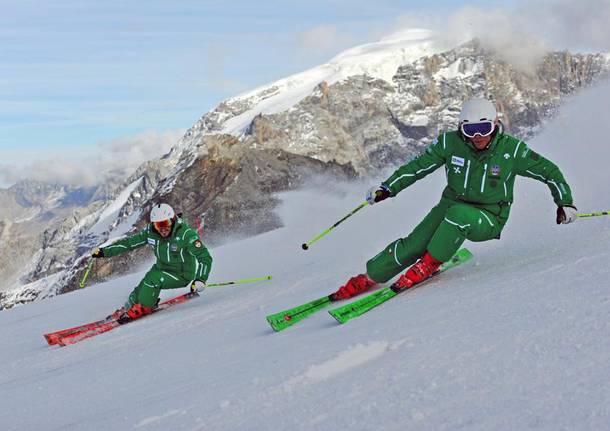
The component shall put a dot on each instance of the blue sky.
(79, 74)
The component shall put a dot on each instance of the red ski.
(75, 337)
(88, 330)
(53, 337)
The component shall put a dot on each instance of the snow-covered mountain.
(58, 251)
(515, 340)
(27, 209)
(370, 108)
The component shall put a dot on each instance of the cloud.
(125, 154)
(323, 40)
(524, 34)
(112, 160)
(569, 24)
(521, 36)
(511, 38)
(498, 30)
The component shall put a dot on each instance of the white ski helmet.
(477, 110)
(161, 212)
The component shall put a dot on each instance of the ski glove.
(197, 288)
(97, 253)
(566, 214)
(377, 194)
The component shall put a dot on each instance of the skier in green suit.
(181, 259)
(481, 164)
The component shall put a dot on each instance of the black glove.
(97, 253)
(377, 194)
(566, 214)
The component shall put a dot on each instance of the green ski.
(357, 308)
(286, 318)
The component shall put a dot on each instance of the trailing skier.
(481, 164)
(181, 259)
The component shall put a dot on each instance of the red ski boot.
(353, 287)
(138, 310)
(419, 271)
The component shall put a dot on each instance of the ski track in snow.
(156, 419)
(517, 339)
(344, 361)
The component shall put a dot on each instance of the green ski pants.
(147, 292)
(441, 233)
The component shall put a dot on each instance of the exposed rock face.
(235, 191)
(352, 127)
(340, 123)
(431, 90)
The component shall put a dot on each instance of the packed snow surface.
(516, 339)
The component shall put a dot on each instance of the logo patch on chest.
(495, 170)
(173, 247)
(458, 161)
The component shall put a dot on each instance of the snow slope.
(516, 340)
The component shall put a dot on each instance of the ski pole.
(595, 214)
(242, 281)
(306, 245)
(84, 280)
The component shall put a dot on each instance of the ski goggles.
(483, 128)
(163, 224)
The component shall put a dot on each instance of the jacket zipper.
(483, 180)
(466, 176)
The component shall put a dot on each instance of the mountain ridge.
(352, 127)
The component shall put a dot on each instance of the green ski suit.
(474, 205)
(181, 259)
